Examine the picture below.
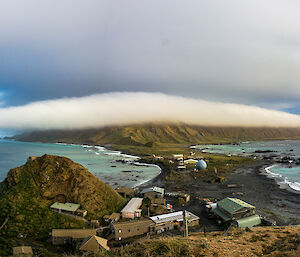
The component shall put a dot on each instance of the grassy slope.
(160, 134)
(29, 190)
(279, 242)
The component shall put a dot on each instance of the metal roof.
(94, 243)
(133, 205)
(174, 216)
(248, 221)
(222, 215)
(22, 250)
(154, 189)
(65, 206)
(232, 205)
(132, 223)
(74, 233)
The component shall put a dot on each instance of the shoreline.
(126, 155)
(282, 183)
(115, 152)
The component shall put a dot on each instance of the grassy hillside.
(29, 190)
(276, 242)
(160, 134)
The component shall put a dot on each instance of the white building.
(131, 210)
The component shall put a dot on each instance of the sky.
(232, 51)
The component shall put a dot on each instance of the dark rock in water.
(113, 166)
(126, 170)
(291, 150)
(266, 158)
(265, 151)
(137, 176)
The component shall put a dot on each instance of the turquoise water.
(97, 160)
(290, 173)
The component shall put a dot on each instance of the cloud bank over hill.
(125, 108)
(245, 52)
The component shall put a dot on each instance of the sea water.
(289, 173)
(112, 167)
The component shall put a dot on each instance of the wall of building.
(61, 240)
(131, 229)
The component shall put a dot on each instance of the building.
(186, 197)
(172, 220)
(69, 236)
(127, 229)
(65, 207)
(248, 222)
(126, 192)
(18, 250)
(114, 217)
(190, 161)
(71, 208)
(94, 244)
(230, 209)
(155, 192)
(178, 157)
(181, 167)
(131, 210)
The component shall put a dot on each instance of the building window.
(128, 230)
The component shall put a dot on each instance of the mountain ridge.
(149, 134)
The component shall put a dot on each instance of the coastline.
(150, 172)
(117, 152)
(282, 183)
(254, 186)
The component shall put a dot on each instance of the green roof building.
(233, 209)
(248, 222)
(65, 207)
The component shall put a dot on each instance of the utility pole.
(185, 224)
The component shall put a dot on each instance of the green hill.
(29, 190)
(149, 134)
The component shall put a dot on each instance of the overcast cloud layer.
(234, 51)
(127, 108)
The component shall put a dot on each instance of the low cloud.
(127, 108)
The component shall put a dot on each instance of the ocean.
(285, 154)
(112, 167)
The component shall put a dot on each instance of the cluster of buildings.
(130, 222)
(182, 163)
(153, 225)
